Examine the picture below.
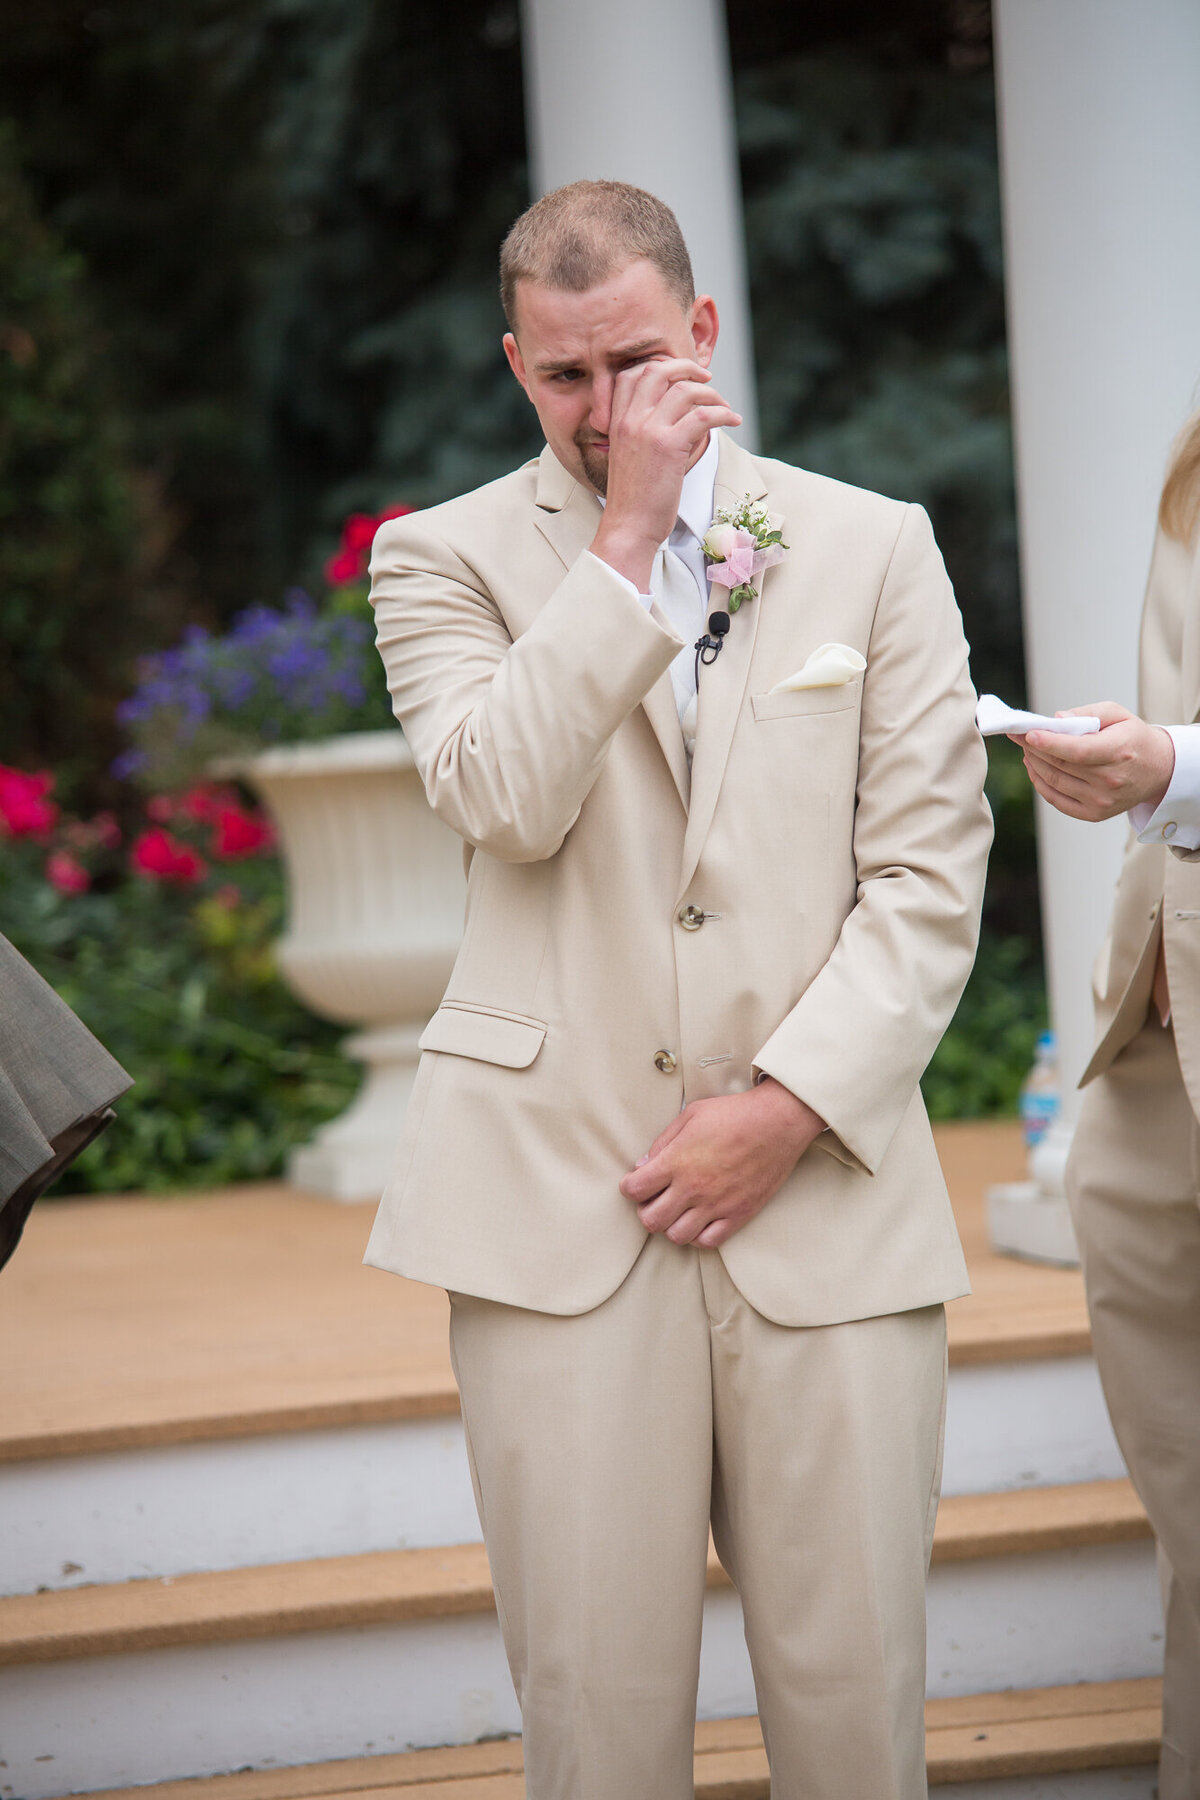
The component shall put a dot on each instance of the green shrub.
(175, 975)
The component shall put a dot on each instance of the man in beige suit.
(1134, 1171)
(666, 1149)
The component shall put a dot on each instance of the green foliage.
(873, 238)
(72, 574)
(179, 983)
(981, 1062)
(978, 1067)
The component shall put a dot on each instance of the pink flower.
(106, 833)
(206, 803)
(160, 808)
(345, 567)
(157, 854)
(24, 809)
(240, 834)
(66, 873)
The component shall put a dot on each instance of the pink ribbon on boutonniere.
(739, 544)
(743, 561)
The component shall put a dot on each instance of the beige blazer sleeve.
(855, 1045)
(508, 738)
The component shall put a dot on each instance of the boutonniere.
(738, 545)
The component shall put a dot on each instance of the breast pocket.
(806, 703)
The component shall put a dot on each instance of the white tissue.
(993, 718)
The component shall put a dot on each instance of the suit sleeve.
(855, 1044)
(508, 737)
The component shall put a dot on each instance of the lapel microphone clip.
(709, 647)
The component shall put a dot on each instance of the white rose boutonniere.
(738, 545)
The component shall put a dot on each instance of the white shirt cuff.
(1176, 819)
(647, 600)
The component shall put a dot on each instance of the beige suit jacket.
(1158, 895)
(834, 839)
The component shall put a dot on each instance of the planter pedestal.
(375, 911)
(351, 1157)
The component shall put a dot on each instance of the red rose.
(345, 567)
(358, 532)
(394, 512)
(160, 808)
(157, 854)
(67, 873)
(24, 809)
(240, 834)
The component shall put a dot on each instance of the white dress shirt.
(686, 610)
(1176, 819)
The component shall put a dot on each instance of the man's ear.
(516, 361)
(705, 327)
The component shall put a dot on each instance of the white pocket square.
(830, 665)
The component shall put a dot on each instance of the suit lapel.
(567, 515)
(723, 683)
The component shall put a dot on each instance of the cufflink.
(1169, 830)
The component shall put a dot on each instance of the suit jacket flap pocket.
(510, 1039)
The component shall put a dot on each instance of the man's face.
(569, 349)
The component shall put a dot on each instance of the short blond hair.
(582, 233)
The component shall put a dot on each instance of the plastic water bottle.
(1040, 1099)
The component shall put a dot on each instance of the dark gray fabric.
(54, 1075)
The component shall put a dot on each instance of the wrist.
(788, 1112)
(1160, 766)
(630, 553)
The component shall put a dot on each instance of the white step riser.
(1087, 1784)
(233, 1504)
(241, 1502)
(1082, 1615)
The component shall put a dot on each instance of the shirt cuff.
(1176, 819)
(647, 600)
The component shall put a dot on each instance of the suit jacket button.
(691, 918)
(665, 1062)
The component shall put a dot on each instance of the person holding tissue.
(1134, 1171)
(705, 725)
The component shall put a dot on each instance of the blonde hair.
(1179, 508)
(580, 234)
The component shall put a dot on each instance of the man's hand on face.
(662, 413)
(719, 1162)
(1126, 763)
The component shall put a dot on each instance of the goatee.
(595, 464)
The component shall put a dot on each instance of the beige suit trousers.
(1134, 1183)
(601, 1446)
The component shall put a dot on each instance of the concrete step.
(1015, 1742)
(174, 1509)
(400, 1585)
(311, 1413)
(312, 1661)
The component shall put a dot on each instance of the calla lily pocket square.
(830, 665)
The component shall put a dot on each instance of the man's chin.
(595, 467)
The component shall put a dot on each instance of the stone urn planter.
(375, 914)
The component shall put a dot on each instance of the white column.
(640, 91)
(1099, 111)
